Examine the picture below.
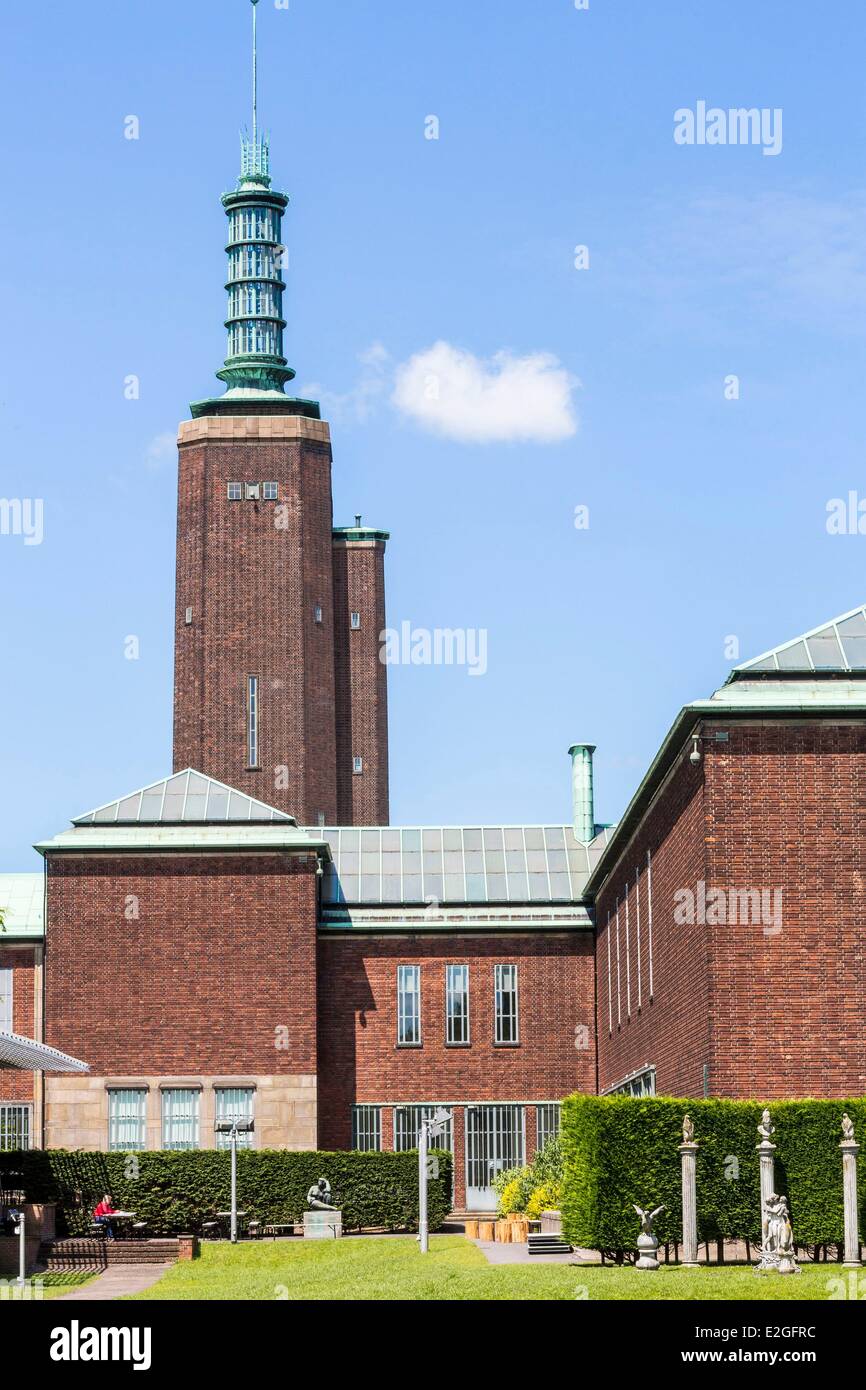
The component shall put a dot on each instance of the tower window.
(253, 721)
(271, 492)
(253, 491)
(357, 766)
(235, 492)
(356, 621)
(317, 613)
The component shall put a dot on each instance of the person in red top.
(102, 1213)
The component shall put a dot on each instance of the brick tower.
(278, 686)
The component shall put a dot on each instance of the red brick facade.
(361, 681)
(771, 1008)
(18, 1086)
(256, 598)
(220, 959)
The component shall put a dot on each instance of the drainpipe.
(583, 806)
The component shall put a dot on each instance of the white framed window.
(252, 491)
(367, 1128)
(506, 1007)
(252, 721)
(271, 492)
(317, 613)
(6, 1012)
(234, 1103)
(409, 1005)
(127, 1116)
(235, 492)
(16, 1126)
(357, 766)
(180, 1118)
(457, 1005)
(547, 1119)
(407, 1128)
(638, 1083)
(356, 621)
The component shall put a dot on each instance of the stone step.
(82, 1252)
(546, 1244)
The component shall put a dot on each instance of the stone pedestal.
(766, 1150)
(688, 1158)
(323, 1225)
(850, 1149)
(647, 1249)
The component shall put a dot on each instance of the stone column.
(688, 1158)
(850, 1149)
(765, 1150)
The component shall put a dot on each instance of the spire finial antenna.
(255, 74)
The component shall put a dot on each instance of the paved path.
(504, 1253)
(115, 1282)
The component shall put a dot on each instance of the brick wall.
(772, 1012)
(253, 574)
(361, 682)
(666, 1024)
(19, 1085)
(360, 1062)
(221, 956)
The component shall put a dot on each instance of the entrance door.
(494, 1140)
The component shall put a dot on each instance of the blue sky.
(707, 515)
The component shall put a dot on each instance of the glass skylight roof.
(186, 797)
(839, 645)
(489, 864)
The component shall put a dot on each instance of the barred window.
(407, 1128)
(234, 1103)
(366, 1128)
(409, 1005)
(180, 1118)
(505, 988)
(127, 1119)
(546, 1124)
(15, 1126)
(457, 1004)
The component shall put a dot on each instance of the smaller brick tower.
(278, 686)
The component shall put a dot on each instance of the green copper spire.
(255, 370)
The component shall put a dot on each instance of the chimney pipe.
(583, 806)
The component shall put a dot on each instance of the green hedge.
(619, 1150)
(177, 1192)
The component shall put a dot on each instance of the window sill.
(507, 1044)
(458, 1044)
(401, 1047)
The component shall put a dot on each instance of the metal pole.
(255, 73)
(423, 1232)
(22, 1250)
(234, 1139)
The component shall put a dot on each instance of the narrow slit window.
(409, 1005)
(253, 721)
(356, 622)
(505, 981)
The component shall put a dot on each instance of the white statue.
(847, 1129)
(647, 1241)
(688, 1130)
(766, 1128)
(778, 1251)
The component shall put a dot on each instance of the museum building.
(249, 938)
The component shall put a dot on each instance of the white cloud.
(161, 448)
(505, 399)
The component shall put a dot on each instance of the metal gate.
(494, 1140)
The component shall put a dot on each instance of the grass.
(393, 1268)
(49, 1285)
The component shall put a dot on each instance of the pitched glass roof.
(479, 864)
(22, 898)
(839, 645)
(186, 797)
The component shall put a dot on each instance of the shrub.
(176, 1192)
(620, 1150)
(544, 1198)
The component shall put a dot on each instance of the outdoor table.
(124, 1217)
(227, 1216)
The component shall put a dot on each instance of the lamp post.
(429, 1129)
(233, 1128)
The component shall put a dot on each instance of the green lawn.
(454, 1269)
(49, 1285)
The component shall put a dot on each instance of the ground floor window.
(126, 1119)
(180, 1118)
(234, 1103)
(546, 1124)
(639, 1083)
(407, 1127)
(495, 1139)
(15, 1126)
(366, 1127)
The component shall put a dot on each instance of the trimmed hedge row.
(619, 1150)
(177, 1192)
